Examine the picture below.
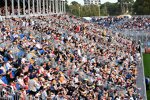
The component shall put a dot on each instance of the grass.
(146, 58)
(148, 95)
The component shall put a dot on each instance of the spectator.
(54, 57)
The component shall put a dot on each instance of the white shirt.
(76, 80)
(15, 35)
(23, 60)
(20, 80)
(44, 95)
(32, 85)
(8, 66)
(79, 52)
(24, 24)
(38, 46)
(84, 59)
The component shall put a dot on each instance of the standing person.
(147, 80)
(44, 93)
(32, 86)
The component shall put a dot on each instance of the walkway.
(141, 78)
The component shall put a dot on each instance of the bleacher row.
(63, 58)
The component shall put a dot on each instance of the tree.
(83, 11)
(110, 9)
(75, 3)
(126, 6)
(74, 8)
(142, 7)
(93, 10)
(67, 6)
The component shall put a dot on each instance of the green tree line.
(138, 7)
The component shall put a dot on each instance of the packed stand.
(125, 23)
(62, 58)
(3, 12)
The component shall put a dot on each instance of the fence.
(143, 39)
(142, 36)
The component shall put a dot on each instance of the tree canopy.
(140, 7)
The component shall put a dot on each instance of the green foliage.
(142, 7)
(125, 1)
(75, 3)
(74, 8)
(93, 10)
(111, 8)
(126, 6)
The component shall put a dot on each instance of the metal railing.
(144, 38)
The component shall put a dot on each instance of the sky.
(102, 1)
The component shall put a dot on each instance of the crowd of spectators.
(139, 23)
(63, 58)
(136, 23)
(3, 11)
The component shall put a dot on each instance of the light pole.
(71, 11)
(99, 9)
(79, 11)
